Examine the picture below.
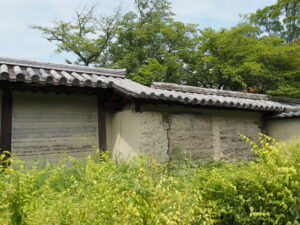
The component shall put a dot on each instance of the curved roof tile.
(26, 71)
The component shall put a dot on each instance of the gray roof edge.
(225, 93)
(285, 115)
(67, 67)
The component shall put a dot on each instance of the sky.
(18, 40)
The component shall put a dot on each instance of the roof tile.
(58, 74)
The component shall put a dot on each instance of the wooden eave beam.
(101, 123)
(6, 119)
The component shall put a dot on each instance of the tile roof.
(224, 93)
(292, 113)
(206, 99)
(29, 71)
(26, 71)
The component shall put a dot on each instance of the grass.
(102, 191)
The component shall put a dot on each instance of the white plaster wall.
(135, 133)
(284, 129)
(183, 133)
(47, 126)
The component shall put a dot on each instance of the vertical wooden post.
(6, 120)
(101, 124)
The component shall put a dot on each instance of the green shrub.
(101, 191)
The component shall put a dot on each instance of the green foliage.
(282, 19)
(153, 46)
(87, 36)
(101, 191)
(239, 59)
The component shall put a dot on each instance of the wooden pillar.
(101, 124)
(6, 120)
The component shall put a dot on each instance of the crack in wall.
(262, 125)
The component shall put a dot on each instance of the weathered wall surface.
(50, 125)
(190, 136)
(183, 133)
(137, 133)
(231, 144)
(284, 129)
(47, 126)
(213, 134)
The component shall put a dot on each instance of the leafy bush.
(101, 191)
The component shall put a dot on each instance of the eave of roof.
(139, 91)
(62, 67)
(224, 93)
(290, 113)
(27, 71)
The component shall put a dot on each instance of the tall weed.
(102, 191)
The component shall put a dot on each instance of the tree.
(152, 45)
(148, 42)
(239, 59)
(282, 19)
(87, 36)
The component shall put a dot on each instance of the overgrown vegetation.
(102, 191)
